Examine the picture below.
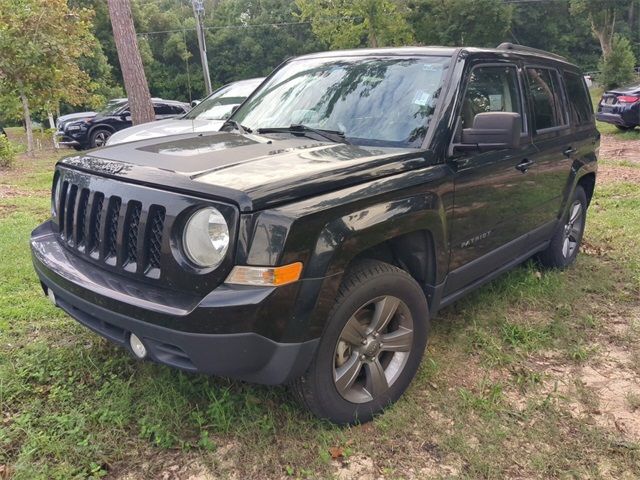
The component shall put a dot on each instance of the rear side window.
(544, 88)
(163, 109)
(491, 89)
(579, 100)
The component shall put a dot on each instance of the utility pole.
(198, 11)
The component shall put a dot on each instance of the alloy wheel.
(373, 349)
(101, 139)
(573, 230)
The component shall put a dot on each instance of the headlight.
(206, 238)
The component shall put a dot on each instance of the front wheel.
(371, 348)
(99, 137)
(565, 243)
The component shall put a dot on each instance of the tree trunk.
(52, 126)
(27, 119)
(135, 80)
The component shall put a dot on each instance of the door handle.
(524, 165)
(569, 151)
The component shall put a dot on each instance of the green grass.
(74, 406)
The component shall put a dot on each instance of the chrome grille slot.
(111, 230)
(95, 221)
(131, 235)
(63, 199)
(155, 228)
(81, 218)
(69, 210)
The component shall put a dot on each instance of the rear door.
(554, 138)
(494, 190)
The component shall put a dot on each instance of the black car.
(621, 107)
(349, 198)
(94, 130)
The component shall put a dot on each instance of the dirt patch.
(614, 148)
(604, 391)
(611, 174)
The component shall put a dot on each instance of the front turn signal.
(265, 276)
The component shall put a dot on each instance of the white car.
(207, 116)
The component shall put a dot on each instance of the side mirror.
(492, 131)
(194, 103)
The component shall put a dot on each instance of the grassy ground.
(533, 376)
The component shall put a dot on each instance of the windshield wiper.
(235, 124)
(334, 135)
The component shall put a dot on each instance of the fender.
(585, 164)
(326, 233)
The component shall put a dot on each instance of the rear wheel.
(371, 348)
(565, 243)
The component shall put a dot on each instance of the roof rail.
(523, 48)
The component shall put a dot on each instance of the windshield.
(112, 108)
(219, 105)
(384, 101)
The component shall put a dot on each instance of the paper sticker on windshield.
(495, 103)
(421, 98)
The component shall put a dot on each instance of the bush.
(617, 68)
(8, 152)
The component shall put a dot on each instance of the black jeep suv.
(94, 130)
(349, 198)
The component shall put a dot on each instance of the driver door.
(494, 190)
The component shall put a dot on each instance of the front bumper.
(176, 328)
(64, 139)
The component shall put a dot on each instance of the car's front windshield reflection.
(386, 101)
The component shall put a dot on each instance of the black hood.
(250, 170)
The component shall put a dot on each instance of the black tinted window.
(163, 109)
(579, 100)
(491, 89)
(544, 88)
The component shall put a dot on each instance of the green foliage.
(41, 43)
(616, 69)
(556, 28)
(357, 23)
(8, 152)
(479, 23)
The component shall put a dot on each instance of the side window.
(177, 110)
(544, 87)
(491, 89)
(162, 109)
(579, 100)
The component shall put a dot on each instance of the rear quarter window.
(579, 100)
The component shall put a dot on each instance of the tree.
(602, 15)
(135, 80)
(558, 29)
(41, 43)
(616, 69)
(479, 23)
(355, 23)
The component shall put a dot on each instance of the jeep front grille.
(107, 229)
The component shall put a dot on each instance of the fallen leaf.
(336, 452)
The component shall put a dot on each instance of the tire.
(565, 243)
(625, 128)
(337, 384)
(99, 137)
